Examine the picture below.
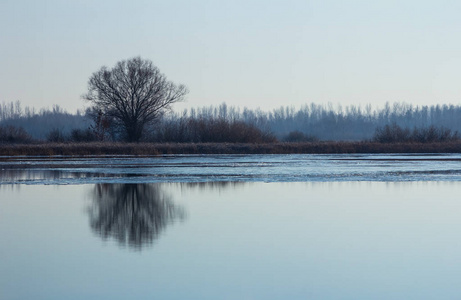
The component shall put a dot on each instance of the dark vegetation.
(395, 134)
(219, 130)
(140, 149)
(11, 134)
(223, 129)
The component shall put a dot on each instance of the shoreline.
(110, 148)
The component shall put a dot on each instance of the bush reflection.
(132, 214)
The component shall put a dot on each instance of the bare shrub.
(12, 134)
(189, 130)
(396, 134)
(79, 135)
(56, 135)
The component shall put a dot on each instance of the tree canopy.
(133, 94)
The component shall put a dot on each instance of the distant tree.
(133, 93)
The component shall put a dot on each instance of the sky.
(246, 53)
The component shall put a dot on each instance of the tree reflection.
(132, 214)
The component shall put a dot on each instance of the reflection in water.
(212, 185)
(132, 214)
(10, 176)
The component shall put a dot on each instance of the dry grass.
(82, 149)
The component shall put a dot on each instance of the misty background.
(314, 121)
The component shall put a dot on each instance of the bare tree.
(133, 93)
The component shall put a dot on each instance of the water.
(241, 168)
(338, 227)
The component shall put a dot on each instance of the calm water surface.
(116, 236)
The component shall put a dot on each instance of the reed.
(100, 148)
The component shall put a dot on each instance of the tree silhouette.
(132, 214)
(133, 93)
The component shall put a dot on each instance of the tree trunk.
(133, 132)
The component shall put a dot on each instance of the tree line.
(314, 122)
(224, 123)
(38, 124)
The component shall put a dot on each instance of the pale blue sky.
(246, 53)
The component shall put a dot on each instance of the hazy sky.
(246, 53)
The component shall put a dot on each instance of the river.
(231, 227)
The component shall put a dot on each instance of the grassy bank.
(52, 149)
